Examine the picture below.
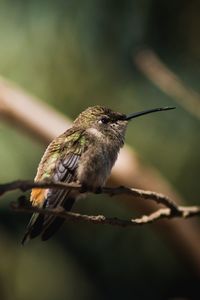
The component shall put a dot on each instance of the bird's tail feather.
(55, 223)
(52, 228)
(34, 227)
(45, 225)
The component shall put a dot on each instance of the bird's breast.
(95, 165)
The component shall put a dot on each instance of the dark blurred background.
(76, 54)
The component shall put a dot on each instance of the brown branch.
(171, 210)
(25, 185)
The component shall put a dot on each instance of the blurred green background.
(76, 54)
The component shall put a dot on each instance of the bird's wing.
(60, 163)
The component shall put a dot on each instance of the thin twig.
(163, 213)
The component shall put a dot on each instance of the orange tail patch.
(38, 197)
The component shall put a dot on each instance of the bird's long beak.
(145, 112)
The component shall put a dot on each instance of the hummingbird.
(84, 154)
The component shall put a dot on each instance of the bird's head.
(106, 121)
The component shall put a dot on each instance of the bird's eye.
(104, 120)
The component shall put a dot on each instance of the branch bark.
(25, 185)
(170, 211)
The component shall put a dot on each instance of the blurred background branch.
(159, 73)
